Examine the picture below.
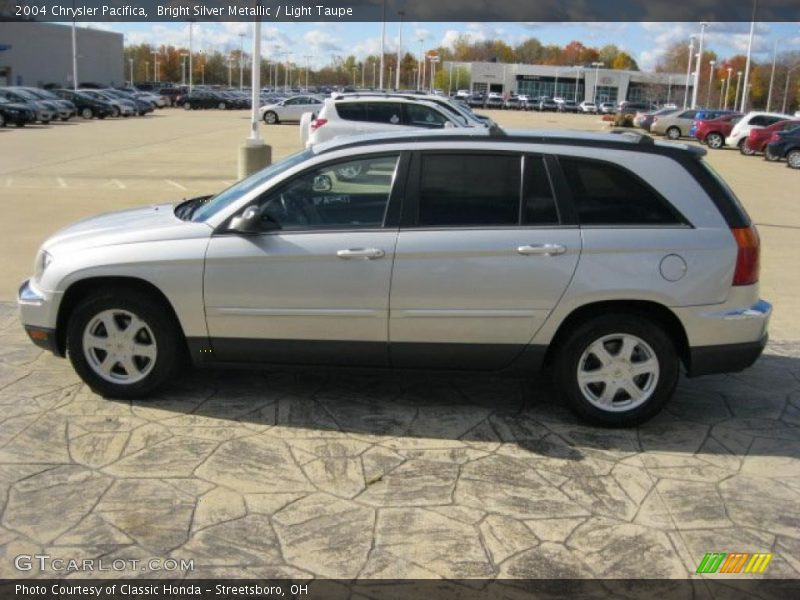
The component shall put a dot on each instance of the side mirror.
(322, 183)
(252, 221)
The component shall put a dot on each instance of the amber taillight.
(748, 255)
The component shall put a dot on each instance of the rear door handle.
(541, 249)
(368, 253)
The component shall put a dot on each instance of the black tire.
(115, 112)
(2, 120)
(570, 352)
(673, 133)
(793, 159)
(168, 340)
(271, 117)
(187, 106)
(20, 124)
(714, 140)
(87, 113)
(65, 119)
(744, 149)
(769, 156)
(222, 106)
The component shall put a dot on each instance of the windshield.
(25, 94)
(233, 193)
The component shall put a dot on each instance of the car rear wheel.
(187, 106)
(617, 370)
(270, 117)
(745, 149)
(793, 159)
(770, 156)
(114, 111)
(86, 113)
(715, 140)
(673, 133)
(124, 345)
(222, 106)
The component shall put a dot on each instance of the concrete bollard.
(253, 157)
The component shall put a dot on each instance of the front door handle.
(368, 253)
(541, 249)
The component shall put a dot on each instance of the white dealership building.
(577, 83)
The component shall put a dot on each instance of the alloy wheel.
(618, 372)
(793, 159)
(119, 346)
(714, 140)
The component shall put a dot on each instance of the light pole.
(374, 64)
(711, 64)
(688, 72)
(183, 67)
(696, 88)
(254, 155)
(577, 81)
(728, 88)
(421, 78)
(230, 71)
(355, 70)
(383, 41)
(147, 70)
(286, 73)
(669, 89)
(738, 85)
(191, 52)
(241, 60)
(155, 64)
(721, 91)
(130, 62)
(308, 66)
(746, 89)
(786, 88)
(555, 87)
(390, 77)
(772, 74)
(596, 66)
(450, 80)
(363, 73)
(202, 70)
(401, 14)
(434, 60)
(415, 71)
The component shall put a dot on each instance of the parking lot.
(326, 474)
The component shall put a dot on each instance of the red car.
(758, 138)
(714, 131)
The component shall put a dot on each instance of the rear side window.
(469, 190)
(352, 111)
(384, 112)
(605, 194)
(418, 115)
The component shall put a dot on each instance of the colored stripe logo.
(732, 563)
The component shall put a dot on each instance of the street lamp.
(711, 64)
(688, 72)
(772, 74)
(155, 64)
(721, 91)
(183, 67)
(699, 65)
(130, 62)
(786, 88)
(355, 70)
(728, 88)
(746, 89)
(191, 52)
(383, 41)
(669, 89)
(308, 66)
(241, 60)
(390, 77)
(401, 14)
(738, 85)
(578, 70)
(147, 70)
(202, 70)
(596, 66)
(555, 87)
(421, 78)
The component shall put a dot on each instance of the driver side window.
(343, 195)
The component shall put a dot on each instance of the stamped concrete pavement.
(325, 474)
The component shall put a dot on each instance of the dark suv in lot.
(16, 113)
(786, 144)
(88, 106)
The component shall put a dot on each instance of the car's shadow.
(756, 412)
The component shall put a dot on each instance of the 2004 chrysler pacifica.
(608, 260)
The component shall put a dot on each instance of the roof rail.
(496, 131)
(635, 136)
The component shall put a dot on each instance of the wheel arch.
(82, 288)
(643, 308)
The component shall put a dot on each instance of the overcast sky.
(644, 41)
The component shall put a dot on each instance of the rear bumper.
(728, 358)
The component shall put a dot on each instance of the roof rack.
(635, 136)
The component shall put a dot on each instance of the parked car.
(713, 132)
(645, 120)
(568, 106)
(587, 106)
(290, 109)
(786, 145)
(66, 109)
(674, 125)
(524, 102)
(545, 103)
(88, 106)
(462, 94)
(512, 103)
(201, 98)
(751, 120)
(141, 106)
(628, 107)
(15, 113)
(120, 107)
(639, 261)
(45, 111)
(607, 108)
(494, 100)
(352, 114)
(759, 137)
(706, 115)
(476, 100)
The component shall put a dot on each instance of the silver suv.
(607, 261)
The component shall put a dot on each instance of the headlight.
(43, 260)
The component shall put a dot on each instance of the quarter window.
(344, 195)
(539, 205)
(605, 194)
(418, 115)
(469, 190)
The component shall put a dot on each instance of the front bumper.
(38, 314)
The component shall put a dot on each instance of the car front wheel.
(124, 345)
(673, 133)
(617, 370)
(745, 149)
(86, 113)
(270, 117)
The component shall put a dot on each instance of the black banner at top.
(390, 10)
